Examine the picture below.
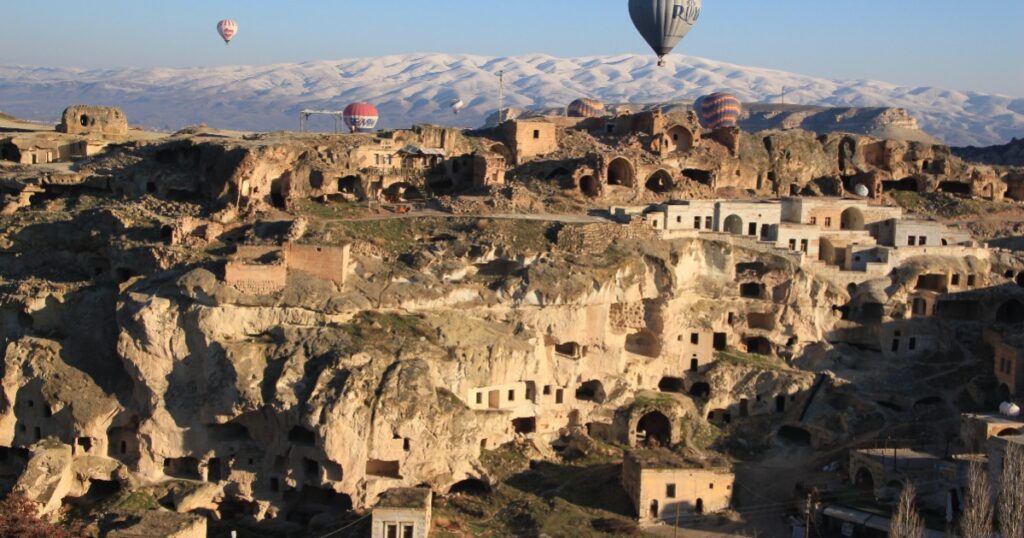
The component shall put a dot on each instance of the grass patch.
(753, 360)
(945, 206)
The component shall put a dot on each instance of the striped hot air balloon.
(586, 108)
(718, 110)
(227, 29)
(361, 117)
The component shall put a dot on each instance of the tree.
(19, 518)
(1011, 495)
(906, 521)
(976, 521)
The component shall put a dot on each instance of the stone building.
(262, 270)
(530, 138)
(977, 429)
(915, 233)
(664, 485)
(1008, 361)
(94, 120)
(884, 472)
(402, 513)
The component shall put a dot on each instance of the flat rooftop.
(663, 458)
(417, 498)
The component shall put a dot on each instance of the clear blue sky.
(957, 44)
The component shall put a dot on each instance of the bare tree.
(907, 521)
(976, 521)
(1011, 495)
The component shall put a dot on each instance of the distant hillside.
(417, 88)
(1010, 154)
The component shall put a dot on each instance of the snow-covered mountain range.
(418, 88)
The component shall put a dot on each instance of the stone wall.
(529, 139)
(327, 263)
(253, 279)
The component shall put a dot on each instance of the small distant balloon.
(227, 29)
(861, 190)
(664, 23)
(457, 105)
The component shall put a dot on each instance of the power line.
(332, 533)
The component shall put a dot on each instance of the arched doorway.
(589, 186)
(502, 150)
(700, 390)
(400, 192)
(733, 225)
(660, 182)
(794, 435)
(698, 508)
(672, 384)
(682, 138)
(1011, 311)
(655, 429)
(620, 172)
(852, 219)
(863, 480)
(654, 509)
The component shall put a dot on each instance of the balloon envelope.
(457, 105)
(718, 110)
(586, 108)
(361, 117)
(664, 23)
(227, 29)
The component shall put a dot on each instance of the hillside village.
(462, 332)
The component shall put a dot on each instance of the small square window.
(512, 395)
(547, 390)
(479, 398)
(694, 338)
(911, 241)
(536, 134)
(670, 491)
(828, 221)
(971, 280)
(711, 485)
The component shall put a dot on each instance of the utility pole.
(807, 516)
(783, 95)
(501, 95)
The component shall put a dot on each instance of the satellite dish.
(861, 190)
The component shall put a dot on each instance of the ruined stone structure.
(93, 120)
(257, 270)
(663, 485)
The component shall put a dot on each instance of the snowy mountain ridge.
(417, 88)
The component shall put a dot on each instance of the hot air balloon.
(718, 110)
(664, 23)
(457, 105)
(586, 108)
(361, 117)
(227, 29)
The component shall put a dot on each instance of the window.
(391, 530)
(536, 134)
(803, 246)
(694, 338)
(547, 390)
(971, 280)
(814, 220)
(922, 240)
(912, 345)
(955, 280)
(711, 485)
(559, 396)
(752, 229)
(512, 395)
(792, 244)
(479, 398)
(709, 223)
(670, 491)
(828, 222)
(407, 531)
(696, 223)
(376, 159)
(679, 220)
(389, 160)
(911, 241)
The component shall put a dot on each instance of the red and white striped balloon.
(361, 117)
(227, 29)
